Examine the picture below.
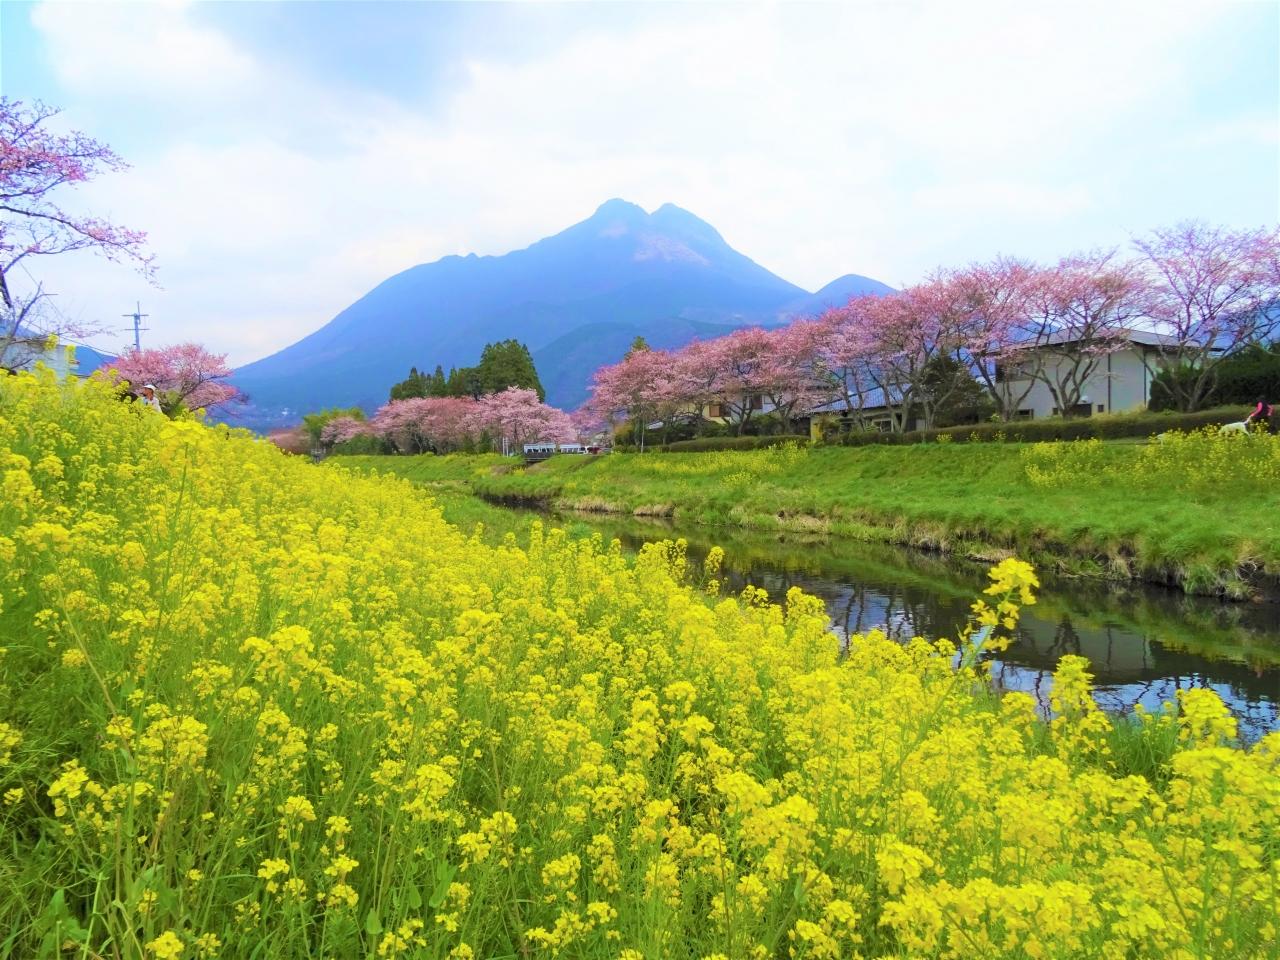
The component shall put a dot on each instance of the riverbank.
(1105, 515)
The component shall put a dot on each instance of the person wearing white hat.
(149, 398)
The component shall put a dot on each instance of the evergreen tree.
(437, 386)
(464, 382)
(638, 345)
(414, 385)
(508, 363)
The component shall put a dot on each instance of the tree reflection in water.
(1144, 642)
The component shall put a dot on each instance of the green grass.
(973, 500)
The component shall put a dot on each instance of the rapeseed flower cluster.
(250, 707)
(1196, 460)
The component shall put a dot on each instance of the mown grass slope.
(1116, 512)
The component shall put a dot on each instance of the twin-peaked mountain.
(577, 299)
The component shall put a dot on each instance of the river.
(1145, 642)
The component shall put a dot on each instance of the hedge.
(1082, 428)
(703, 444)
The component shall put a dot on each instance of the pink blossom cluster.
(1008, 323)
(186, 372)
(35, 165)
(446, 424)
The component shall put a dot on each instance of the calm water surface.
(1145, 642)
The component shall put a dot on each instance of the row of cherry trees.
(1008, 323)
(447, 424)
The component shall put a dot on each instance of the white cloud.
(141, 50)
(881, 139)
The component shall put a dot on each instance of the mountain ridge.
(662, 272)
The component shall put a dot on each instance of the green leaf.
(372, 925)
(798, 892)
(444, 877)
(413, 896)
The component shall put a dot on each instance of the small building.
(876, 413)
(724, 413)
(1120, 383)
(28, 348)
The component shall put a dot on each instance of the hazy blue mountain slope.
(836, 293)
(660, 272)
(565, 365)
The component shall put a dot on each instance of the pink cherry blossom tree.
(741, 363)
(1212, 291)
(517, 416)
(341, 429)
(910, 334)
(844, 360)
(791, 383)
(452, 423)
(185, 374)
(37, 166)
(637, 388)
(403, 424)
(998, 333)
(1083, 310)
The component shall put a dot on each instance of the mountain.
(571, 298)
(565, 365)
(836, 294)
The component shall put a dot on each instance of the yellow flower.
(167, 946)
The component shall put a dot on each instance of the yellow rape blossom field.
(250, 708)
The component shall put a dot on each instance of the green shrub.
(362, 446)
(704, 444)
(1082, 428)
(1240, 378)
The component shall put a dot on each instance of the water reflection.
(1145, 642)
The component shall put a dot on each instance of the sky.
(287, 157)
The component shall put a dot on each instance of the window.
(757, 402)
(1027, 414)
(714, 412)
(1102, 408)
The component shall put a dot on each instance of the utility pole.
(137, 317)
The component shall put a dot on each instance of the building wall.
(1120, 384)
(26, 354)
(716, 412)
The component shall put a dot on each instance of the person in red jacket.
(1261, 416)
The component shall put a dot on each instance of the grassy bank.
(1103, 510)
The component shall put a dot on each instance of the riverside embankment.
(1199, 515)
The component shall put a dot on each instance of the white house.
(22, 350)
(1120, 381)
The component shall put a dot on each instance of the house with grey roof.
(1119, 383)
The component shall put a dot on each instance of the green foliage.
(1105, 427)
(508, 363)
(1240, 379)
(962, 398)
(420, 385)
(504, 364)
(367, 444)
(702, 444)
(314, 423)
